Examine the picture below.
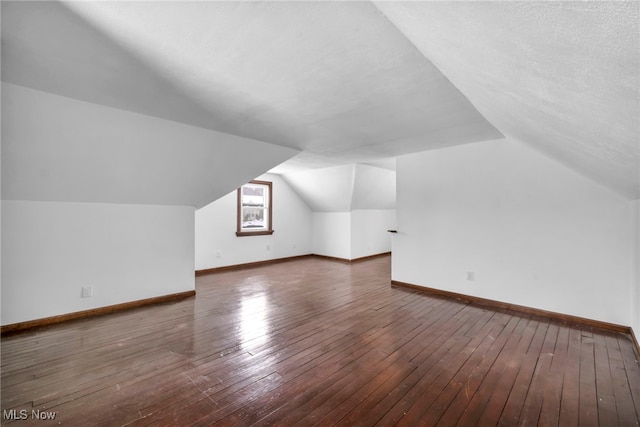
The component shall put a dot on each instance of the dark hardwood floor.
(317, 342)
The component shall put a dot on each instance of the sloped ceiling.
(373, 188)
(336, 81)
(59, 149)
(562, 77)
(349, 82)
(345, 188)
(332, 78)
(325, 189)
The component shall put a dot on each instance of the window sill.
(254, 233)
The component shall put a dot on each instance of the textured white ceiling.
(324, 189)
(48, 48)
(332, 79)
(352, 82)
(562, 77)
(373, 188)
(345, 188)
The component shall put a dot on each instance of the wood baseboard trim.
(249, 265)
(635, 341)
(47, 321)
(280, 260)
(517, 308)
(367, 258)
(332, 258)
(351, 261)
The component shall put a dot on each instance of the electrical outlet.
(471, 276)
(87, 291)
(218, 254)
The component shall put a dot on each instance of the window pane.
(253, 196)
(254, 209)
(253, 218)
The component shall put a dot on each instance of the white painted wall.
(351, 235)
(534, 232)
(298, 231)
(126, 252)
(634, 207)
(331, 234)
(369, 234)
(215, 226)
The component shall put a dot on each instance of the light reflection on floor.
(253, 321)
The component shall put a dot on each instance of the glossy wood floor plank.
(317, 342)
